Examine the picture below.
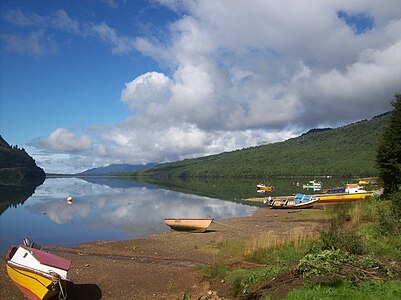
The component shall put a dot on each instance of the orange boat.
(191, 225)
(263, 187)
(40, 275)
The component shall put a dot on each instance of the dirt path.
(161, 266)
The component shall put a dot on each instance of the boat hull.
(325, 198)
(190, 225)
(281, 204)
(34, 284)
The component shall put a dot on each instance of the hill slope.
(17, 167)
(343, 151)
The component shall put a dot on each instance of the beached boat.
(37, 273)
(263, 187)
(313, 184)
(349, 192)
(299, 201)
(191, 225)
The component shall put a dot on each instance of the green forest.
(345, 151)
(17, 167)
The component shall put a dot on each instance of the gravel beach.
(162, 266)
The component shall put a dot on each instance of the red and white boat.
(38, 274)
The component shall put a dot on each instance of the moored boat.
(313, 184)
(263, 187)
(299, 201)
(349, 192)
(37, 273)
(188, 224)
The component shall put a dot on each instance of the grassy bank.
(358, 257)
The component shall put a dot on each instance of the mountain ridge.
(349, 150)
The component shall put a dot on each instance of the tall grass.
(270, 240)
(365, 235)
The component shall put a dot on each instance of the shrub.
(390, 215)
(322, 263)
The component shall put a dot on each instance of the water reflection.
(12, 196)
(102, 212)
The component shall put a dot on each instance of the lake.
(103, 210)
(114, 209)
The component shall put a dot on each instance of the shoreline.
(161, 266)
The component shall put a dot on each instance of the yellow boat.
(351, 192)
(192, 225)
(265, 188)
(40, 275)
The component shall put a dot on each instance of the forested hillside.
(343, 151)
(17, 167)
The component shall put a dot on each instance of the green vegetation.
(17, 167)
(357, 256)
(344, 151)
(389, 151)
(344, 289)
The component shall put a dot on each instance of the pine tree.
(389, 151)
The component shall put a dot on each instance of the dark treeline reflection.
(236, 189)
(12, 196)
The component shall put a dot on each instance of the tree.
(389, 152)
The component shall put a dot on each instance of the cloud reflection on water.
(137, 211)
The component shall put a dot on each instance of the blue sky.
(120, 81)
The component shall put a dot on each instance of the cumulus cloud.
(244, 73)
(65, 140)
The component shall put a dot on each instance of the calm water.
(102, 210)
(111, 209)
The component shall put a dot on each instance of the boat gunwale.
(18, 266)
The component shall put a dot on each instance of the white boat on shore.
(188, 224)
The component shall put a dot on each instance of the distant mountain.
(116, 168)
(17, 167)
(345, 151)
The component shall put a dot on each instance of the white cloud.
(243, 73)
(64, 140)
(61, 20)
(148, 92)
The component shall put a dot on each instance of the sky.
(120, 81)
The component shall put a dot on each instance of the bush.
(390, 215)
(325, 262)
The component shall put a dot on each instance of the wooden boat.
(191, 225)
(263, 187)
(313, 184)
(299, 201)
(37, 273)
(350, 192)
